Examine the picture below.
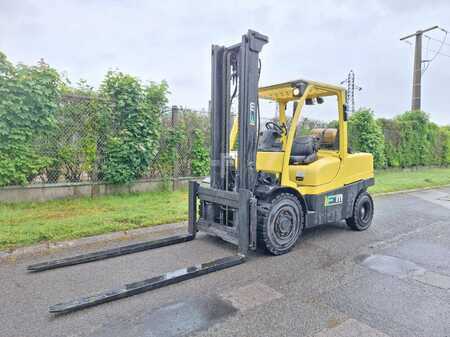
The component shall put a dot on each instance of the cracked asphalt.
(391, 280)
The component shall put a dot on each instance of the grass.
(24, 224)
(398, 180)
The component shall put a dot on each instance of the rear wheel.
(280, 223)
(362, 212)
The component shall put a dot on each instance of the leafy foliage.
(445, 135)
(196, 141)
(74, 140)
(391, 132)
(184, 148)
(169, 153)
(366, 135)
(200, 155)
(134, 128)
(30, 96)
(412, 140)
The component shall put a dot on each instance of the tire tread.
(264, 208)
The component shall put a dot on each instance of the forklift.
(267, 182)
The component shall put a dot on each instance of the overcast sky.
(171, 40)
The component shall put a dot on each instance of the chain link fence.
(76, 148)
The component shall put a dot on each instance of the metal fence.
(76, 149)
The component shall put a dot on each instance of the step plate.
(148, 284)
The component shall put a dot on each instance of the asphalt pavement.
(391, 280)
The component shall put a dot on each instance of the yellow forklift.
(267, 182)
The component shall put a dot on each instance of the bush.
(29, 100)
(132, 128)
(445, 141)
(200, 156)
(169, 151)
(413, 138)
(194, 126)
(365, 135)
(391, 132)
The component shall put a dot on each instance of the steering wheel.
(275, 127)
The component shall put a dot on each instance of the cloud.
(171, 40)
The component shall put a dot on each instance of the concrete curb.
(410, 191)
(91, 240)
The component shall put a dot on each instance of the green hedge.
(408, 140)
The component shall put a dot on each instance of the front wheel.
(362, 216)
(280, 223)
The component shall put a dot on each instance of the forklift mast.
(228, 206)
(235, 74)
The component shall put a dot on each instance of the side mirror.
(319, 100)
(345, 113)
(309, 101)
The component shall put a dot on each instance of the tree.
(29, 101)
(132, 126)
(365, 135)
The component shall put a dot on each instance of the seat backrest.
(304, 146)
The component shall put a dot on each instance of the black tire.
(280, 223)
(362, 212)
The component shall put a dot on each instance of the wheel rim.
(365, 212)
(284, 229)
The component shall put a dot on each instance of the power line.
(437, 40)
(436, 52)
(439, 53)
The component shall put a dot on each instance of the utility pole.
(417, 71)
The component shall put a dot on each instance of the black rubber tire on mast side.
(280, 223)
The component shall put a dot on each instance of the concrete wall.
(46, 192)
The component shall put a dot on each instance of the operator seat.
(304, 150)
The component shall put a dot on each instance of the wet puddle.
(182, 318)
(402, 269)
(391, 265)
(172, 320)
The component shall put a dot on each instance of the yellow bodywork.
(334, 168)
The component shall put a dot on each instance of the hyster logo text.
(335, 199)
(252, 114)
